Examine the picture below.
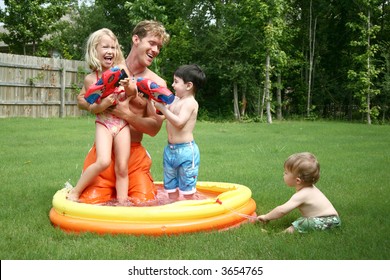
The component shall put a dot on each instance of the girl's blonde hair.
(91, 55)
(304, 166)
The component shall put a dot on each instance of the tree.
(365, 72)
(28, 21)
(70, 36)
(318, 60)
(385, 85)
(273, 34)
(312, 44)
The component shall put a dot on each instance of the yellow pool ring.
(231, 207)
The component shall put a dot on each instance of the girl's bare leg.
(122, 154)
(103, 140)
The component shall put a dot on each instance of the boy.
(181, 154)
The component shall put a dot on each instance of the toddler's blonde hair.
(304, 166)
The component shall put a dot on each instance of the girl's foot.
(72, 196)
(124, 202)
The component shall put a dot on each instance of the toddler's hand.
(159, 106)
(262, 219)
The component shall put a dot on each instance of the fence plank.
(39, 87)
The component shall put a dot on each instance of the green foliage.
(33, 80)
(139, 10)
(70, 37)
(28, 21)
(365, 72)
(230, 41)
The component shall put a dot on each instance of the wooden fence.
(39, 87)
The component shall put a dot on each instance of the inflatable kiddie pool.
(225, 205)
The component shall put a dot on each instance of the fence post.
(62, 90)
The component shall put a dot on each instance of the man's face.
(148, 48)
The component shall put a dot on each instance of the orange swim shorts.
(141, 186)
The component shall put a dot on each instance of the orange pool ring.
(227, 205)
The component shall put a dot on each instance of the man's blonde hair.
(151, 27)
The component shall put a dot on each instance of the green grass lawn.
(39, 155)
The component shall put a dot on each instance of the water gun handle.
(154, 91)
(105, 85)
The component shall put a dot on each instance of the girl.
(112, 133)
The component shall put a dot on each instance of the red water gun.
(105, 85)
(154, 91)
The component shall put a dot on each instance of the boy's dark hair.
(191, 73)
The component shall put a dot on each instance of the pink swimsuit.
(110, 121)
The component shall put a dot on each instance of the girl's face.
(179, 86)
(106, 50)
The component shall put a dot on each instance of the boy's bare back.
(312, 202)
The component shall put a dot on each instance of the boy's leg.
(170, 174)
(188, 171)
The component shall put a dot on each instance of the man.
(147, 40)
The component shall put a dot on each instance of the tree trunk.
(262, 104)
(368, 69)
(312, 40)
(236, 107)
(279, 98)
(243, 102)
(267, 86)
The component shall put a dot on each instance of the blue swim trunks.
(181, 167)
